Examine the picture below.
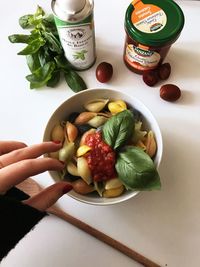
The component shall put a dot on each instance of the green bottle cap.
(154, 22)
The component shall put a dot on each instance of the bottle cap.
(72, 10)
(69, 6)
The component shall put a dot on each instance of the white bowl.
(74, 104)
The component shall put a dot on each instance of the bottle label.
(141, 58)
(78, 42)
(148, 18)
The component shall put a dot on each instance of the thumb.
(47, 197)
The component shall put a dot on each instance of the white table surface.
(165, 225)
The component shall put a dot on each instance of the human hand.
(18, 162)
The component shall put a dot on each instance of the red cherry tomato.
(104, 72)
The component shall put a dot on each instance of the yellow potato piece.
(117, 106)
(151, 145)
(82, 150)
(115, 192)
(113, 183)
(121, 103)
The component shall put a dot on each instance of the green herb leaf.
(53, 43)
(55, 78)
(41, 76)
(117, 130)
(35, 34)
(33, 62)
(62, 62)
(39, 12)
(44, 55)
(50, 20)
(26, 21)
(48, 23)
(29, 21)
(32, 47)
(136, 169)
(19, 38)
(74, 81)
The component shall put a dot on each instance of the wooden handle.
(103, 237)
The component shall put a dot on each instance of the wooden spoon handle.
(103, 237)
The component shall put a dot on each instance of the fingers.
(28, 152)
(7, 146)
(47, 197)
(15, 173)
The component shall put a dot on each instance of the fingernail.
(67, 188)
(56, 142)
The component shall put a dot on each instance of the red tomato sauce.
(101, 158)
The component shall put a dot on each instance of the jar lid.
(154, 22)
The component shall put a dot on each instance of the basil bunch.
(44, 53)
(134, 167)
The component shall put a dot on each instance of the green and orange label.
(148, 18)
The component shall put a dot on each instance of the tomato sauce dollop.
(101, 158)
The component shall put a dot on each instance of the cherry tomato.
(104, 72)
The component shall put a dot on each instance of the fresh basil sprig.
(136, 169)
(44, 53)
(41, 76)
(117, 130)
(72, 78)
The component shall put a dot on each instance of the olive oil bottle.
(75, 24)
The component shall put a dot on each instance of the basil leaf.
(44, 55)
(49, 24)
(19, 38)
(39, 12)
(62, 62)
(32, 47)
(24, 38)
(136, 169)
(53, 42)
(35, 34)
(50, 20)
(33, 62)
(26, 21)
(29, 21)
(117, 130)
(41, 76)
(55, 78)
(74, 81)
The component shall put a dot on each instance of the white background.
(164, 226)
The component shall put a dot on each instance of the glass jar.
(151, 26)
